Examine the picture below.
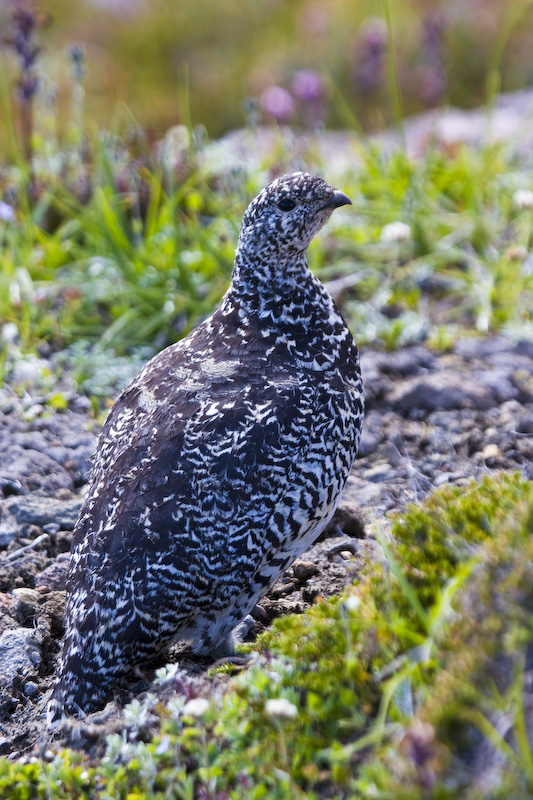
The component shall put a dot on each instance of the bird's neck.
(285, 301)
(258, 281)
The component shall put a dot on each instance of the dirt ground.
(431, 419)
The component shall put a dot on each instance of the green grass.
(390, 691)
(140, 261)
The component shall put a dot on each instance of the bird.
(219, 465)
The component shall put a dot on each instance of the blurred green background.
(299, 61)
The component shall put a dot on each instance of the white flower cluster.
(396, 232)
(196, 708)
(522, 199)
(281, 708)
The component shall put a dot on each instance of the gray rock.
(31, 689)
(483, 346)
(33, 469)
(372, 434)
(54, 576)
(9, 528)
(20, 654)
(497, 380)
(442, 391)
(361, 492)
(39, 510)
(406, 362)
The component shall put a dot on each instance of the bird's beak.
(338, 199)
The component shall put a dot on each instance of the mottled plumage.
(219, 464)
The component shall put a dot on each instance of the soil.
(432, 418)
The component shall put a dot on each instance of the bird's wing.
(185, 461)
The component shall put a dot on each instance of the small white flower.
(196, 708)
(96, 268)
(352, 603)
(523, 198)
(396, 232)
(281, 709)
(10, 334)
(7, 212)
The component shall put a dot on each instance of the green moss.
(433, 539)
(475, 706)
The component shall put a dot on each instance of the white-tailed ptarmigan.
(219, 464)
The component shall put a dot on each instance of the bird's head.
(286, 215)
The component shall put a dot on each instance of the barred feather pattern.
(219, 464)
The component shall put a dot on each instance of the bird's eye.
(286, 204)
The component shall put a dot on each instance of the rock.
(499, 383)
(7, 617)
(490, 451)
(441, 391)
(6, 603)
(406, 362)
(380, 473)
(304, 570)
(361, 492)
(33, 470)
(20, 654)
(44, 610)
(52, 607)
(25, 603)
(55, 575)
(372, 434)
(40, 510)
(476, 347)
(9, 528)
(31, 689)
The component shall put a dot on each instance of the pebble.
(55, 575)
(304, 570)
(490, 451)
(20, 654)
(25, 603)
(31, 689)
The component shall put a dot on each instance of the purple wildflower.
(370, 67)
(278, 102)
(307, 85)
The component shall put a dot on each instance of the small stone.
(31, 688)
(490, 451)
(9, 529)
(380, 473)
(304, 570)
(25, 603)
(20, 654)
(54, 577)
